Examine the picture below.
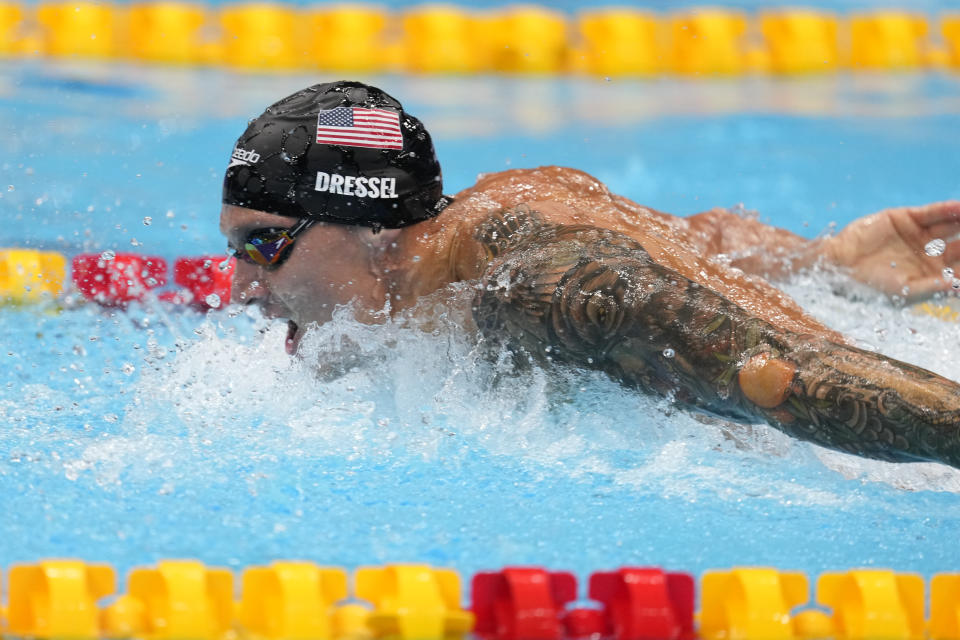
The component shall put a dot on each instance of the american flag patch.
(358, 127)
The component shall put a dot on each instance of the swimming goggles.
(270, 247)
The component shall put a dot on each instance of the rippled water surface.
(158, 432)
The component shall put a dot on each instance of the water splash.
(410, 440)
(935, 247)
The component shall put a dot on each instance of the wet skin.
(608, 284)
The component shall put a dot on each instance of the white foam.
(370, 392)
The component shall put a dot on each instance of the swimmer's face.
(328, 265)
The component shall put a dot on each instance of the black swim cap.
(340, 152)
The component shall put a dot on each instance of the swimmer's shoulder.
(514, 201)
(514, 186)
(488, 211)
(558, 194)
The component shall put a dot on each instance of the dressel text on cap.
(359, 186)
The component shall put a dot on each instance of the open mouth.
(293, 337)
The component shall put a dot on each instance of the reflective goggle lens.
(268, 249)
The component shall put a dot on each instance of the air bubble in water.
(668, 353)
(935, 247)
(108, 255)
(10, 187)
(147, 221)
(223, 266)
(128, 368)
(212, 300)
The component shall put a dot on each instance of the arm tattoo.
(595, 298)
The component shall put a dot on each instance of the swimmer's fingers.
(938, 220)
(951, 254)
(921, 288)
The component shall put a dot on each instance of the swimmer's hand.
(891, 250)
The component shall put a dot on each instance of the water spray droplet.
(935, 247)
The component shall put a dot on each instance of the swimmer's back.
(568, 197)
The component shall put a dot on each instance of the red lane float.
(586, 623)
(115, 280)
(645, 603)
(528, 603)
(205, 281)
(521, 603)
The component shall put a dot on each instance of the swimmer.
(333, 196)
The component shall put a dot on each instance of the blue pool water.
(155, 432)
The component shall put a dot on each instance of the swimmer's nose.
(247, 287)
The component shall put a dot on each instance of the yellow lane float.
(262, 37)
(347, 38)
(413, 602)
(950, 26)
(873, 603)
(800, 40)
(527, 39)
(441, 39)
(28, 276)
(58, 598)
(11, 22)
(81, 29)
(620, 42)
(167, 32)
(708, 41)
(750, 603)
(177, 599)
(291, 600)
(887, 40)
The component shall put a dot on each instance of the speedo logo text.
(361, 187)
(242, 156)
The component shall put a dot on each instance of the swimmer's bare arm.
(594, 297)
(751, 245)
(884, 250)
